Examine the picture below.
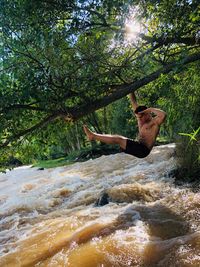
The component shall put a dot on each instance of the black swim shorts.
(136, 149)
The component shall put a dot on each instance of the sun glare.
(132, 29)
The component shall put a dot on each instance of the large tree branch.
(125, 89)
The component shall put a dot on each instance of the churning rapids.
(49, 217)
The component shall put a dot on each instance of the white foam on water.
(28, 188)
(27, 194)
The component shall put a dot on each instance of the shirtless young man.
(148, 126)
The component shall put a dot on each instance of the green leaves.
(192, 136)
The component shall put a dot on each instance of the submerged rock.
(102, 200)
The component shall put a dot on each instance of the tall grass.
(188, 155)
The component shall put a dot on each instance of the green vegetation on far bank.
(52, 163)
(90, 152)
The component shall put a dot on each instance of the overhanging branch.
(121, 91)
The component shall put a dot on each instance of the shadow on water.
(165, 229)
(163, 225)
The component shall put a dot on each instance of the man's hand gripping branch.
(133, 101)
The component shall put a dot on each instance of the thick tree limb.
(125, 89)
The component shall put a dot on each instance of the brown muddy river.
(49, 217)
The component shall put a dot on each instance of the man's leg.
(106, 138)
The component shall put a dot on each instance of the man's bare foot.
(90, 134)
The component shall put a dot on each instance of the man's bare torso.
(148, 131)
(149, 121)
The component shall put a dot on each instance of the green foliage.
(179, 96)
(192, 136)
(123, 121)
(188, 154)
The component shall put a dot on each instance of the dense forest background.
(68, 63)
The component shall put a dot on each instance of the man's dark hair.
(139, 109)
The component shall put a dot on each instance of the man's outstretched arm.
(133, 101)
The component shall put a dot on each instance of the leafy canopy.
(66, 59)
